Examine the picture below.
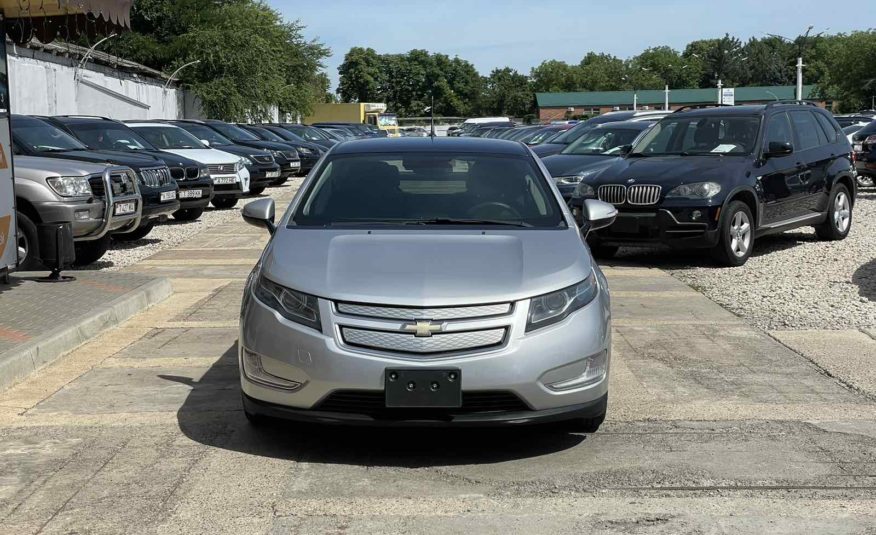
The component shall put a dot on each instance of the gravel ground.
(792, 281)
(172, 233)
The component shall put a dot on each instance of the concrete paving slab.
(848, 355)
(160, 344)
(222, 305)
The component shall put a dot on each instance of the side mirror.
(205, 142)
(625, 149)
(778, 149)
(597, 215)
(260, 214)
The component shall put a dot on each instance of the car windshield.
(429, 189)
(234, 132)
(268, 135)
(206, 133)
(605, 141)
(41, 137)
(699, 135)
(110, 136)
(570, 135)
(283, 135)
(310, 133)
(540, 137)
(168, 137)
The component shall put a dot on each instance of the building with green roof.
(558, 106)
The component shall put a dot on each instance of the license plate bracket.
(125, 208)
(273, 174)
(191, 194)
(418, 388)
(168, 196)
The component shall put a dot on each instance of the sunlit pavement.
(714, 426)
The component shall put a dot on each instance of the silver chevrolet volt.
(435, 281)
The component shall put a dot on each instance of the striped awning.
(66, 19)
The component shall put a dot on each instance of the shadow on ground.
(211, 415)
(865, 278)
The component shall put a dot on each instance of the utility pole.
(720, 85)
(800, 77)
(801, 46)
(635, 101)
(666, 98)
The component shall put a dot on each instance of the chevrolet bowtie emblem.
(423, 329)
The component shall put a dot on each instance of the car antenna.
(431, 110)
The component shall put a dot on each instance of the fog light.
(597, 365)
(255, 372)
(696, 215)
(80, 215)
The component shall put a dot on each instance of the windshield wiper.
(53, 149)
(637, 155)
(458, 221)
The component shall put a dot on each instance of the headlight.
(203, 172)
(696, 190)
(245, 161)
(584, 191)
(554, 307)
(70, 186)
(277, 154)
(303, 150)
(294, 306)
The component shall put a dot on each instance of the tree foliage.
(250, 59)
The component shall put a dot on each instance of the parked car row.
(115, 180)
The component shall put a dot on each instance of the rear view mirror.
(625, 149)
(205, 142)
(597, 215)
(260, 214)
(778, 149)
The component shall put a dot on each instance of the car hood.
(240, 150)
(264, 145)
(570, 164)
(206, 156)
(173, 159)
(546, 149)
(135, 161)
(35, 167)
(426, 267)
(671, 170)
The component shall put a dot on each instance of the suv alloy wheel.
(736, 235)
(839, 215)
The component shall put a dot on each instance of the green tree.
(668, 66)
(851, 77)
(602, 72)
(507, 92)
(555, 76)
(359, 74)
(718, 59)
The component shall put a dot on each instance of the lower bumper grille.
(408, 343)
(372, 402)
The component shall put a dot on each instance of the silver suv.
(98, 199)
(427, 281)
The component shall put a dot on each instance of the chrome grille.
(178, 173)
(121, 184)
(222, 169)
(159, 176)
(613, 193)
(446, 313)
(642, 194)
(290, 154)
(192, 173)
(408, 343)
(263, 159)
(98, 189)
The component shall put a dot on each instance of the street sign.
(8, 227)
(728, 96)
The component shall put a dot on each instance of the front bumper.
(154, 209)
(525, 365)
(259, 174)
(204, 185)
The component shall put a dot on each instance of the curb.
(18, 363)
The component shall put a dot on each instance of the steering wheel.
(493, 210)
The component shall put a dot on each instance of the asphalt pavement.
(714, 426)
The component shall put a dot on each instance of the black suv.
(37, 137)
(719, 177)
(864, 150)
(308, 153)
(193, 179)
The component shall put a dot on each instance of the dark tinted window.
(831, 129)
(778, 130)
(37, 136)
(698, 134)
(234, 132)
(168, 137)
(416, 188)
(203, 132)
(807, 129)
(109, 135)
(605, 140)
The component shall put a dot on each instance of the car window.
(110, 136)
(234, 132)
(168, 137)
(698, 134)
(602, 141)
(38, 136)
(412, 188)
(778, 130)
(202, 132)
(806, 128)
(831, 130)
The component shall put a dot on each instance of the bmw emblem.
(631, 180)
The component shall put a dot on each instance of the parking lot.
(714, 426)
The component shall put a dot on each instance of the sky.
(522, 34)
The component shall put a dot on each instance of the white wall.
(44, 84)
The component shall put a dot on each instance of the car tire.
(138, 234)
(223, 203)
(839, 215)
(865, 181)
(279, 181)
(28, 244)
(188, 214)
(735, 235)
(604, 251)
(89, 252)
(256, 190)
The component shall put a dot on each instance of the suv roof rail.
(79, 116)
(792, 102)
(702, 106)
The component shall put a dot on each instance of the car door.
(780, 181)
(813, 161)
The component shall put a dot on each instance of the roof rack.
(791, 103)
(78, 116)
(702, 106)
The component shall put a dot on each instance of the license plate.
(125, 208)
(273, 174)
(295, 165)
(423, 388)
(168, 196)
(191, 194)
(858, 147)
(224, 179)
